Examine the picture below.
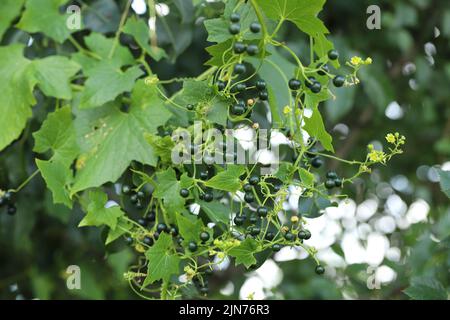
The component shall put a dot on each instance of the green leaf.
(111, 139)
(57, 133)
(216, 211)
(105, 83)
(44, 16)
(341, 105)
(53, 74)
(313, 206)
(220, 53)
(303, 13)
(9, 10)
(189, 227)
(16, 87)
(140, 32)
(315, 126)
(284, 171)
(168, 189)
(445, 182)
(227, 180)
(162, 263)
(244, 253)
(122, 227)
(306, 177)
(97, 214)
(426, 289)
(162, 146)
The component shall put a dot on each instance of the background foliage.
(410, 68)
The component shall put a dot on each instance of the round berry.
(240, 68)
(329, 184)
(235, 17)
(239, 47)
(323, 69)
(148, 241)
(239, 220)
(203, 175)
(151, 216)
(204, 290)
(294, 84)
(221, 85)
(192, 246)
(331, 175)
(320, 270)
(263, 95)
(255, 27)
(338, 81)
(184, 193)
(161, 227)
(237, 110)
(253, 219)
(333, 55)
(255, 231)
(249, 197)
(126, 189)
(234, 28)
(204, 236)
(317, 162)
(270, 236)
(254, 180)
(310, 82)
(316, 87)
(139, 205)
(140, 194)
(134, 198)
(252, 49)
(129, 240)
(173, 231)
(289, 236)
(338, 182)
(248, 187)
(208, 197)
(304, 234)
(262, 212)
(241, 87)
(261, 85)
(190, 107)
(142, 222)
(276, 247)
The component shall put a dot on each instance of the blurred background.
(392, 235)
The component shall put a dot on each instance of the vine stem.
(23, 184)
(119, 31)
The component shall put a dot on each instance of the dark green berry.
(333, 55)
(262, 211)
(270, 236)
(317, 162)
(208, 197)
(248, 187)
(151, 216)
(309, 83)
(161, 227)
(261, 85)
(294, 84)
(316, 87)
(237, 110)
(140, 194)
(255, 231)
(338, 182)
(204, 236)
(239, 47)
(234, 28)
(148, 241)
(235, 17)
(276, 247)
(304, 234)
(338, 81)
(320, 270)
(239, 220)
(323, 69)
(173, 231)
(329, 184)
(331, 175)
(255, 27)
(204, 175)
(139, 205)
(129, 240)
(241, 87)
(263, 95)
(253, 219)
(254, 180)
(184, 193)
(252, 49)
(11, 210)
(190, 107)
(221, 85)
(249, 197)
(289, 236)
(134, 198)
(192, 246)
(240, 68)
(142, 222)
(204, 290)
